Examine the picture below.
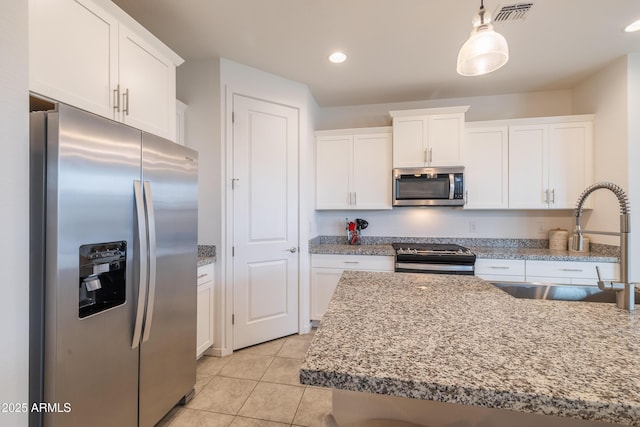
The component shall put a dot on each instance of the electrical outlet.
(473, 227)
(541, 229)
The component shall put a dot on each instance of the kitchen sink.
(557, 292)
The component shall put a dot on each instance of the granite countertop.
(458, 339)
(206, 255)
(599, 253)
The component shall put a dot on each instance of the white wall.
(198, 86)
(605, 94)
(14, 215)
(447, 222)
(538, 104)
(633, 162)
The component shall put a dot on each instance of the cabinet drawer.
(500, 267)
(571, 269)
(353, 262)
(205, 274)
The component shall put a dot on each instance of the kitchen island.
(441, 349)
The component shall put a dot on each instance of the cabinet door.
(323, 283)
(445, 133)
(409, 142)
(485, 156)
(372, 171)
(147, 86)
(528, 173)
(204, 316)
(204, 309)
(73, 54)
(570, 160)
(333, 166)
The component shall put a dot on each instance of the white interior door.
(265, 218)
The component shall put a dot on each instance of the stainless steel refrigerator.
(113, 272)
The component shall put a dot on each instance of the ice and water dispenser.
(102, 277)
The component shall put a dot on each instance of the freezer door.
(168, 348)
(91, 370)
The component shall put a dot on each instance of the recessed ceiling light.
(634, 26)
(337, 57)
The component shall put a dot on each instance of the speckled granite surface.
(206, 254)
(458, 339)
(533, 249)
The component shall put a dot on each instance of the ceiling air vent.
(512, 12)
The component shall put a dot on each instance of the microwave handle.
(451, 186)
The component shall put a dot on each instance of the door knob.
(292, 249)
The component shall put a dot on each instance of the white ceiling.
(399, 50)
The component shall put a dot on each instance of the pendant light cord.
(481, 12)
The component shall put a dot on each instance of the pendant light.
(485, 50)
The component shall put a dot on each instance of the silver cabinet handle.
(430, 155)
(546, 196)
(125, 100)
(355, 199)
(202, 275)
(116, 99)
(553, 196)
(352, 262)
(292, 249)
(425, 156)
(151, 224)
(571, 269)
(142, 260)
(499, 267)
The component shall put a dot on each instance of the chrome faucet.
(625, 291)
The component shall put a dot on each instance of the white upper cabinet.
(147, 85)
(353, 169)
(428, 136)
(181, 109)
(550, 164)
(90, 54)
(485, 156)
(570, 162)
(528, 168)
(72, 50)
(538, 163)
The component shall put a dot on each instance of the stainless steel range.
(435, 258)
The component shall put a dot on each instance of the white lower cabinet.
(502, 270)
(557, 272)
(204, 324)
(327, 269)
(571, 272)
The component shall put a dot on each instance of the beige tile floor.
(254, 387)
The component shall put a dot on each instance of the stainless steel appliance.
(435, 258)
(435, 186)
(113, 272)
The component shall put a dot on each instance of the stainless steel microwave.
(435, 186)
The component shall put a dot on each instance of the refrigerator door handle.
(151, 227)
(142, 258)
